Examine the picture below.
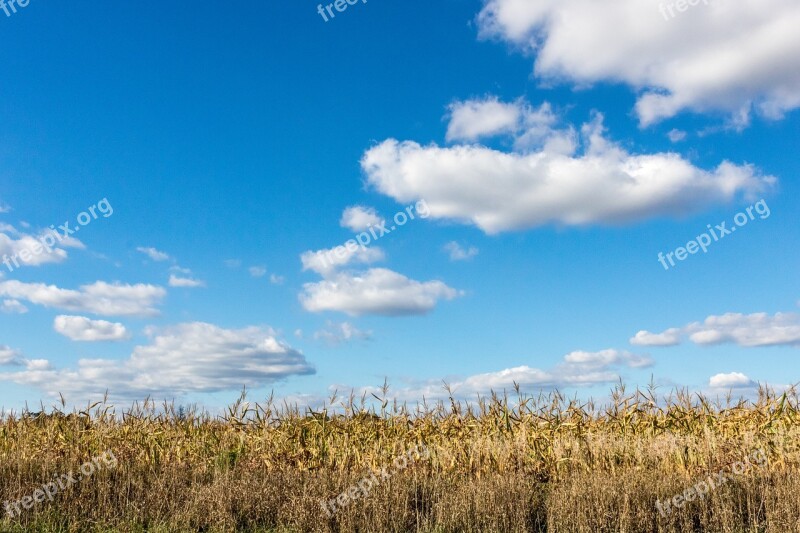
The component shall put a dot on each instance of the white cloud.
(578, 369)
(180, 270)
(378, 291)
(13, 307)
(257, 271)
(233, 263)
(472, 119)
(503, 191)
(358, 218)
(79, 328)
(187, 358)
(530, 127)
(9, 356)
(325, 262)
(18, 249)
(335, 333)
(99, 298)
(670, 337)
(733, 380)
(692, 61)
(458, 253)
(153, 254)
(276, 279)
(607, 358)
(176, 281)
(748, 331)
(4, 207)
(676, 135)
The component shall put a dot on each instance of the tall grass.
(503, 463)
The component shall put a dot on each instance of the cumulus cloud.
(378, 291)
(747, 331)
(99, 298)
(19, 249)
(550, 182)
(732, 380)
(153, 254)
(189, 283)
(472, 119)
(13, 307)
(459, 253)
(335, 333)
(9, 356)
(686, 62)
(578, 369)
(187, 358)
(670, 337)
(359, 218)
(79, 328)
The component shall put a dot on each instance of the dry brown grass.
(500, 464)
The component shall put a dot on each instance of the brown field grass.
(498, 464)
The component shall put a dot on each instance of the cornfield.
(504, 463)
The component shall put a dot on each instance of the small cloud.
(13, 307)
(153, 254)
(276, 279)
(233, 263)
(733, 380)
(175, 281)
(9, 356)
(457, 253)
(298, 333)
(335, 334)
(359, 218)
(79, 328)
(257, 271)
(180, 270)
(670, 337)
(4, 207)
(675, 135)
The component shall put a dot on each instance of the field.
(505, 463)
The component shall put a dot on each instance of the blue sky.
(550, 151)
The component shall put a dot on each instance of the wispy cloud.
(153, 254)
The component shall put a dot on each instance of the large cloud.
(191, 357)
(728, 55)
(99, 298)
(544, 180)
(748, 331)
(378, 291)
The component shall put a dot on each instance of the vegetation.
(498, 464)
